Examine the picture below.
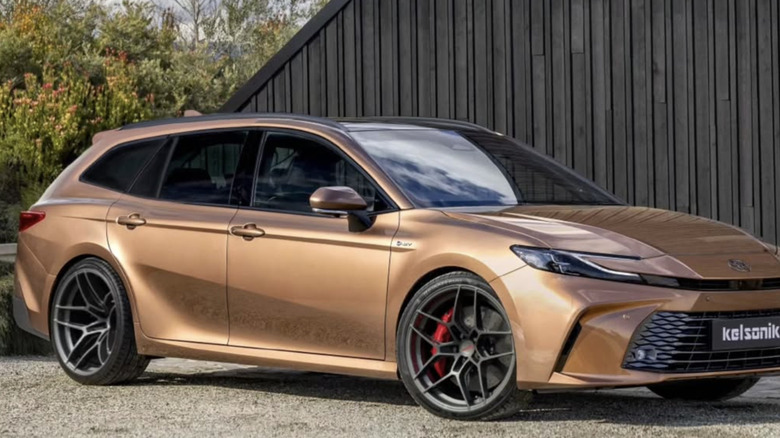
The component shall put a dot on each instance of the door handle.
(248, 231)
(131, 221)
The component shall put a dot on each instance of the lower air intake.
(677, 342)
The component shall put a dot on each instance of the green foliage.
(12, 339)
(72, 68)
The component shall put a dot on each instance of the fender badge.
(402, 244)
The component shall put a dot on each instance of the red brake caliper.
(441, 335)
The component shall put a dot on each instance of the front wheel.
(456, 352)
(92, 326)
(704, 389)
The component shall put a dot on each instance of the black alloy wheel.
(92, 327)
(456, 350)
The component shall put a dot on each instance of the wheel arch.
(95, 252)
(422, 281)
(401, 296)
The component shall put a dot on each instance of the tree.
(72, 68)
(194, 13)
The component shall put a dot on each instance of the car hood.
(683, 244)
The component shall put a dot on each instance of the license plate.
(745, 334)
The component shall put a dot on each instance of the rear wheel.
(704, 389)
(92, 326)
(456, 352)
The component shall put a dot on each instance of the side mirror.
(342, 201)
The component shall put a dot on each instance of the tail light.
(29, 218)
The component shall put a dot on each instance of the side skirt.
(376, 369)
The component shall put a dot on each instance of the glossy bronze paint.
(301, 291)
(310, 285)
(337, 198)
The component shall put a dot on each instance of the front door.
(305, 283)
(170, 234)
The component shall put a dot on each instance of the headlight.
(571, 263)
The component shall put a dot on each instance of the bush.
(13, 340)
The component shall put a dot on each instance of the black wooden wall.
(667, 103)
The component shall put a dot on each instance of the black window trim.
(267, 131)
(171, 141)
(564, 168)
(162, 139)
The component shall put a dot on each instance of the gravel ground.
(187, 398)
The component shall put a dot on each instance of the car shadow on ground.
(303, 384)
(614, 407)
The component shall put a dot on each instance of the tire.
(91, 326)
(704, 389)
(444, 345)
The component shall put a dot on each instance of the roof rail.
(232, 116)
(428, 122)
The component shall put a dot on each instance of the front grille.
(770, 283)
(726, 285)
(677, 342)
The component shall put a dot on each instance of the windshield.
(462, 169)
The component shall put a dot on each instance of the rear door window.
(202, 167)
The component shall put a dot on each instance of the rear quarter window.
(118, 168)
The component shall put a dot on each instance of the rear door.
(169, 233)
(306, 283)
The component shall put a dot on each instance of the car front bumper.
(576, 332)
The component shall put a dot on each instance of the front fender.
(428, 241)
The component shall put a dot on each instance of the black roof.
(346, 124)
(183, 120)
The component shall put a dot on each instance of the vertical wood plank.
(519, 33)
(775, 26)
(425, 63)
(387, 58)
(500, 90)
(599, 103)
(296, 84)
(332, 77)
(639, 97)
(442, 56)
(579, 115)
(481, 98)
(661, 174)
(577, 26)
(350, 61)
(537, 26)
(619, 99)
(766, 118)
(558, 89)
(722, 51)
(460, 52)
(369, 68)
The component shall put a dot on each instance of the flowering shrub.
(72, 68)
(48, 120)
(55, 96)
